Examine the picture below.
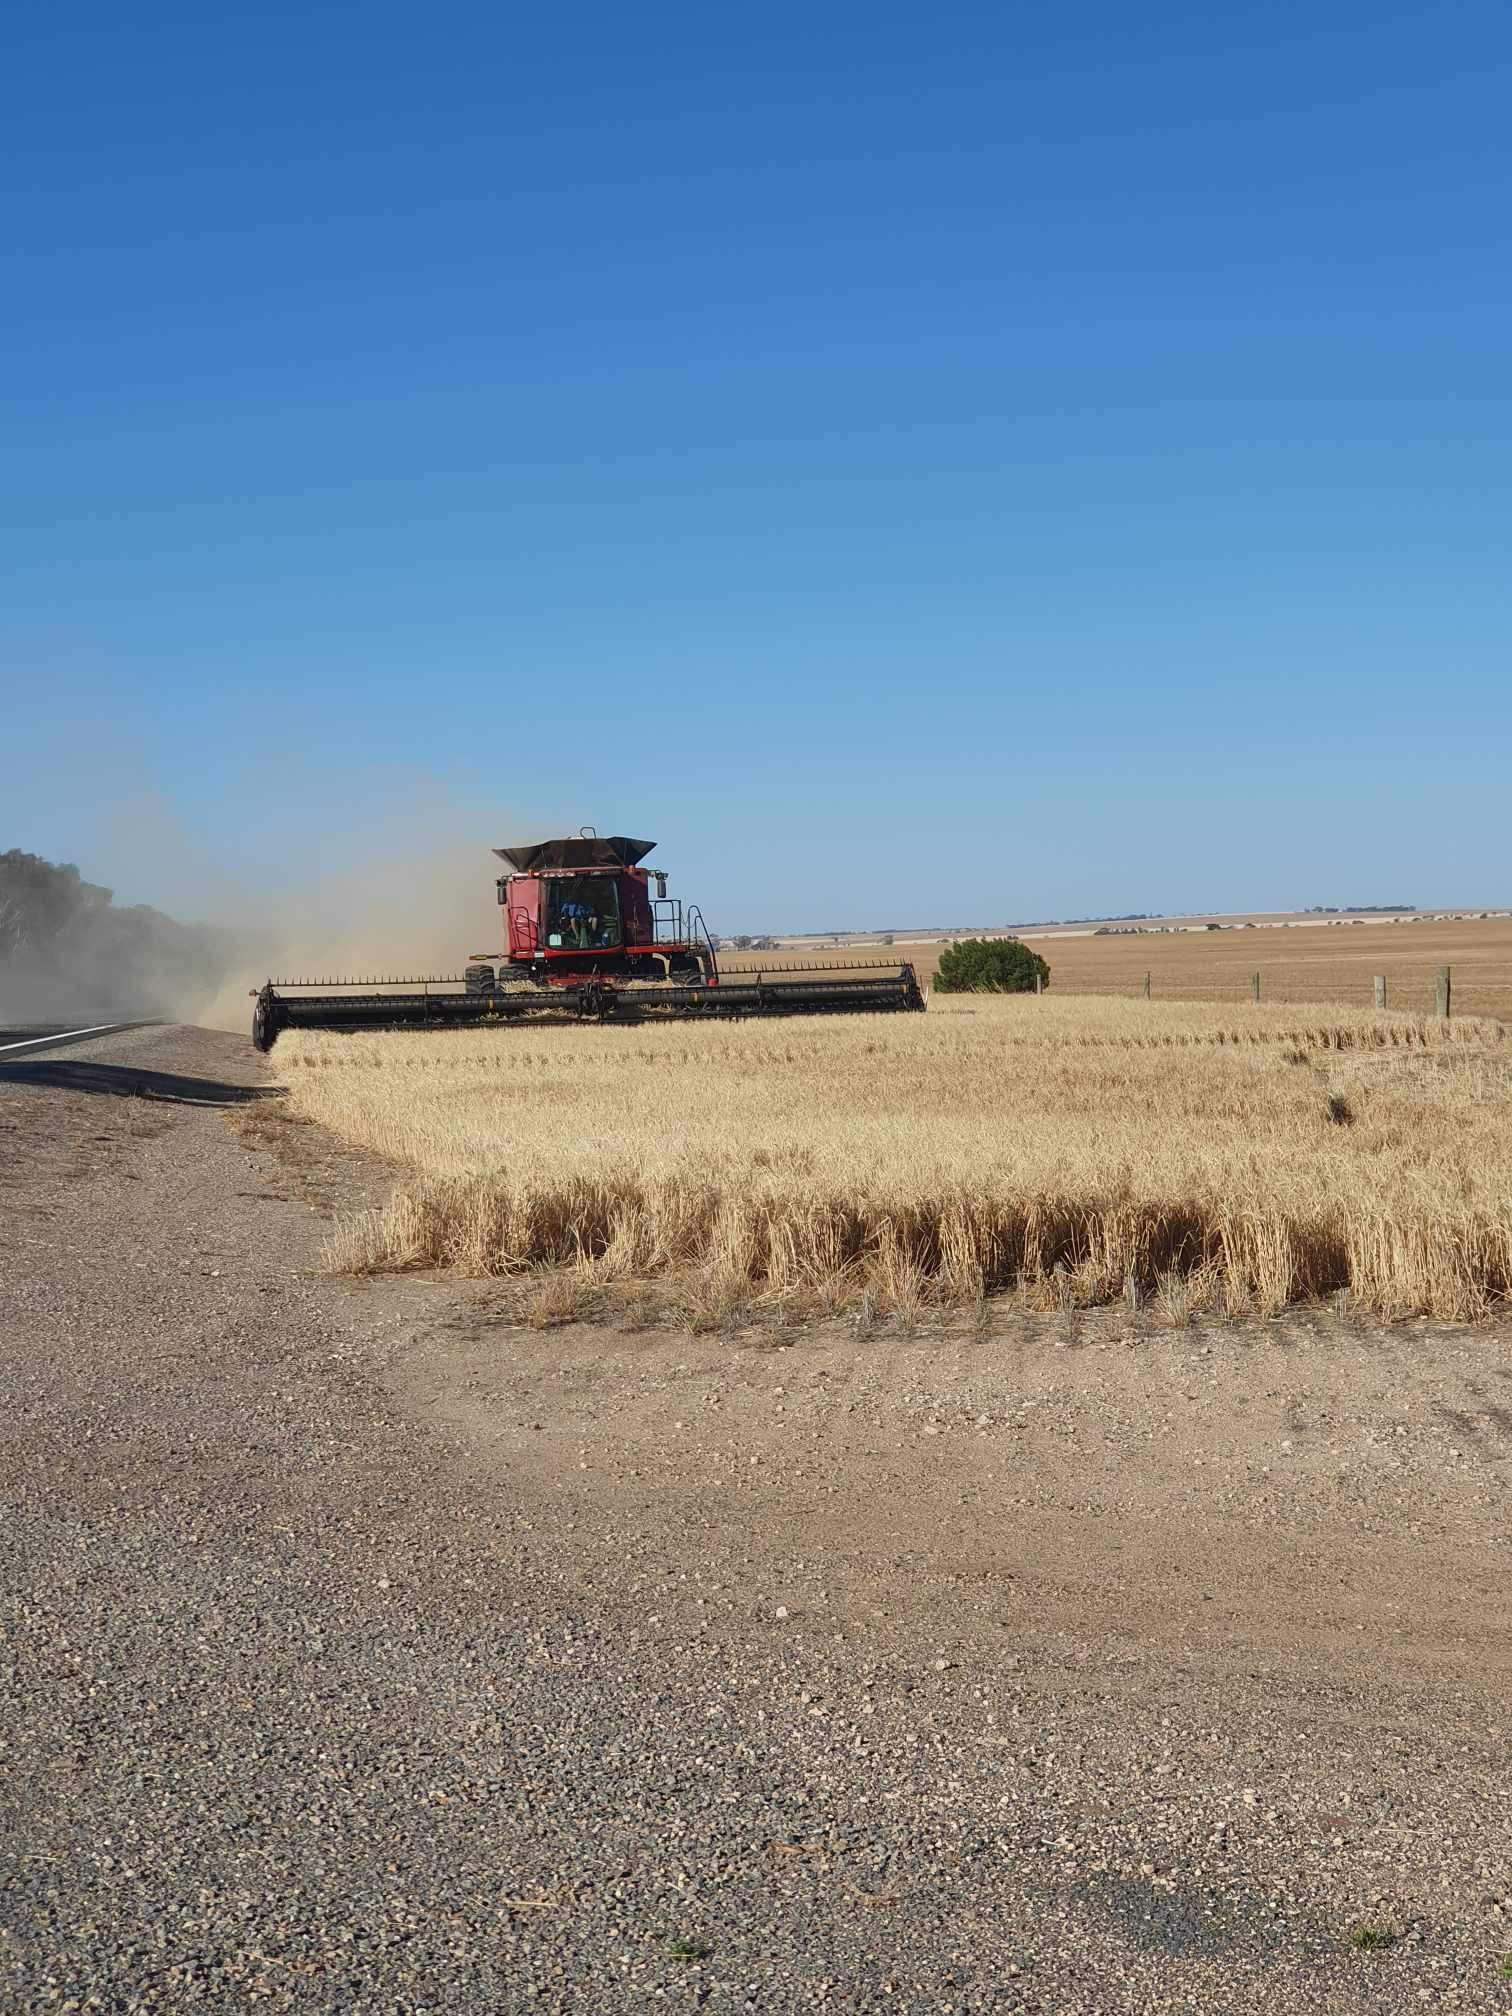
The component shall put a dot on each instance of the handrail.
(698, 929)
(667, 921)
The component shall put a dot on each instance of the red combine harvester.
(584, 938)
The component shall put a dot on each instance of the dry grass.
(1239, 1159)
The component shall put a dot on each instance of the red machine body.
(585, 907)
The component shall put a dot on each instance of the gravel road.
(333, 1681)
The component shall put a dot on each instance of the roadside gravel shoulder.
(332, 1682)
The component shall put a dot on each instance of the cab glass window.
(582, 913)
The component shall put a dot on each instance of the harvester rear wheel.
(478, 979)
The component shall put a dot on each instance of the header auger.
(584, 938)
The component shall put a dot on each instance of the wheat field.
(1243, 1159)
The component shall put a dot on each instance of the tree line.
(67, 948)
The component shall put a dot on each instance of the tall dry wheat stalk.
(1243, 1158)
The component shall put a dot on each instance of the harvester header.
(584, 936)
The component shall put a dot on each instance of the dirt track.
(371, 1650)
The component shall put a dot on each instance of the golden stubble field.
(1241, 1158)
(1311, 962)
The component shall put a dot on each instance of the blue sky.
(921, 465)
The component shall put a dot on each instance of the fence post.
(1255, 987)
(1380, 991)
(1147, 986)
(1442, 990)
(1039, 981)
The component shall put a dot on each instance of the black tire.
(478, 979)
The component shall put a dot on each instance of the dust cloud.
(407, 889)
(395, 917)
(70, 953)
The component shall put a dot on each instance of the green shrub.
(990, 966)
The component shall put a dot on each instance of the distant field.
(1242, 1157)
(1315, 962)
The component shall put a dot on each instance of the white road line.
(64, 1036)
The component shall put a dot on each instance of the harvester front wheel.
(264, 1024)
(478, 979)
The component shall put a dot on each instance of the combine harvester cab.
(585, 936)
(583, 909)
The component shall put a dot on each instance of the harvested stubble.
(1308, 963)
(1240, 1158)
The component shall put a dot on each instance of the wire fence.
(1414, 991)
